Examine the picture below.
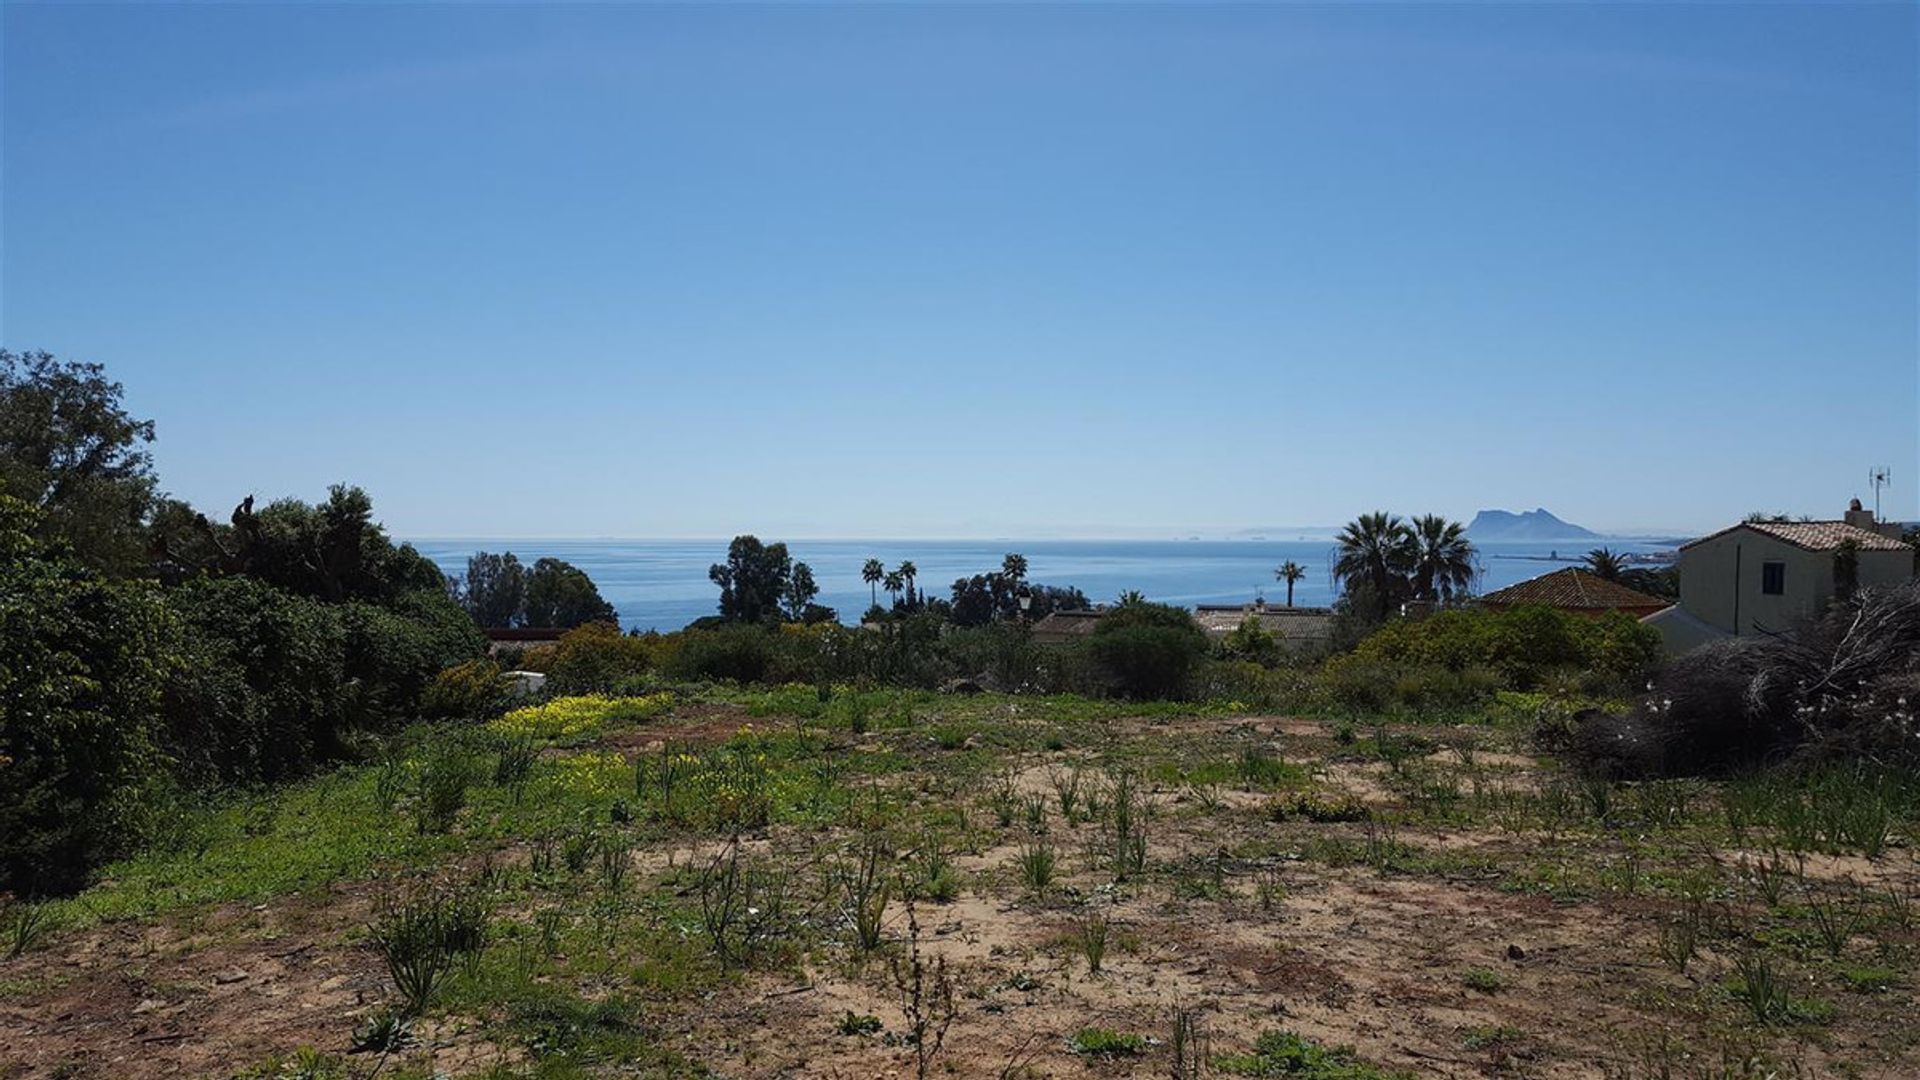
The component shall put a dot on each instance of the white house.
(1762, 577)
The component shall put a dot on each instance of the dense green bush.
(83, 663)
(598, 657)
(1147, 650)
(474, 690)
(741, 652)
(1524, 646)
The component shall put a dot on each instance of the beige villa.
(1762, 577)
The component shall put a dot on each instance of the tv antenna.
(1879, 476)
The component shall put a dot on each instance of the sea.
(663, 584)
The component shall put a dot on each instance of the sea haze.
(663, 585)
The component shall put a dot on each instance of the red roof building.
(1577, 591)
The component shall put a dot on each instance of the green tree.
(1605, 563)
(893, 583)
(801, 590)
(1147, 650)
(1290, 572)
(494, 590)
(560, 594)
(873, 573)
(70, 449)
(84, 663)
(907, 574)
(1014, 567)
(753, 581)
(1376, 551)
(1443, 559)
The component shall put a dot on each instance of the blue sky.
(971, 271)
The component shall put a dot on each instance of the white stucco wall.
(1720, 580)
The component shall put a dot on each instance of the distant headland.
(1532, 525)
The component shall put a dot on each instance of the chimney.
(1864, 519)
(1859, 517)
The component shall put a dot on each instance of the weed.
(422, 936)
(1105, 1042)
(926, 998)
(1868, 980)
(1090, 935)
(1270, 889)
(1066, 788)
(1680, 937)
(23, 925)
(1318, 806)
(1282, 1053)
(385, 1033)
(442, 790)
(1036, 807)
(742, 906)
(1483, 980)
(515, 763)
(1037, 861)
(866, 885)
(616, 861)
(854, 1024)
(1835, 914)
(1492, 1037)
(1187, 1046)
(1760, 988)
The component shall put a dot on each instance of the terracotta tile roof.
(1813, 535)
(1576, 589)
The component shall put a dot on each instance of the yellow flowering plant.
(574, 717)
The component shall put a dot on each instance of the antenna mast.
(1879, 476)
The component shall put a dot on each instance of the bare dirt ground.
(1434, 969)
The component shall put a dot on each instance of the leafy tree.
(1605, 563)
(69, 448)
(83, 667)
(1442, 559)
(753, 581)
(873, 573)
(1147, 650)
(1378, 551)
(800, 592)
(560, 594)
(494, 590)
(1290, 572)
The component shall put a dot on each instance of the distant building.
(1299, 629)
(1762, 577)
(1577, 591)
(501, 639)
(1065, 627)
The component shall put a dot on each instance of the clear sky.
(859, 270)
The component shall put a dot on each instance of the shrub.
(83, 663)
(1147, 650)
(472, 690)
(1282, 1053)
(742, 653)
(597, 657)
(421, 937)
(1522, 646)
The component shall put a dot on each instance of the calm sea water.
(662, 584)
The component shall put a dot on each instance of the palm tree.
(1605, 563)
(1376, 552)
(908, 571)
(1132, 597)
(893, 584)
(1290, 572)
(1442, 559)
(1014, 567)
(873, 573)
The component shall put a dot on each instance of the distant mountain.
(1502, 525)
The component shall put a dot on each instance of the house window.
(1773, 578)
